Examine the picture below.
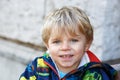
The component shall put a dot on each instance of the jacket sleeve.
(30, 72)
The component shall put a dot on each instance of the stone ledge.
(116, 66)
(27, 44)
(17, 52)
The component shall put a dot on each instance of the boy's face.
(67, 50)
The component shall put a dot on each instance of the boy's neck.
(68, 69)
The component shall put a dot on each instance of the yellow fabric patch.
(23, 78)
(40, 63)
(32, 78)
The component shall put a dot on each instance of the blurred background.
(20, 31)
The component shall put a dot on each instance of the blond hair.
(69, 19)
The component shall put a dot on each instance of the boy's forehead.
(62, 32)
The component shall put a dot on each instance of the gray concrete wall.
(10, 69)
(14, 58)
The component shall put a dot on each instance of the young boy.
(68, 34)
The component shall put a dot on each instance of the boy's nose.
(65, 46)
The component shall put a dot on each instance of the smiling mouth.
(66, 56)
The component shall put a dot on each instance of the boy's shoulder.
(99, 71)
(35, 67)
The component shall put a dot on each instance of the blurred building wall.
(23, 20)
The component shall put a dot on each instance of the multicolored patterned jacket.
(43, 68)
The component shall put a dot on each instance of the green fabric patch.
(92, 76)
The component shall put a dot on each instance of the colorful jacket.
(43, 68)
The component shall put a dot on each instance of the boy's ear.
(87, 46)
(46, 45)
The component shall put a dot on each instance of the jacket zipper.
(52, 69)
